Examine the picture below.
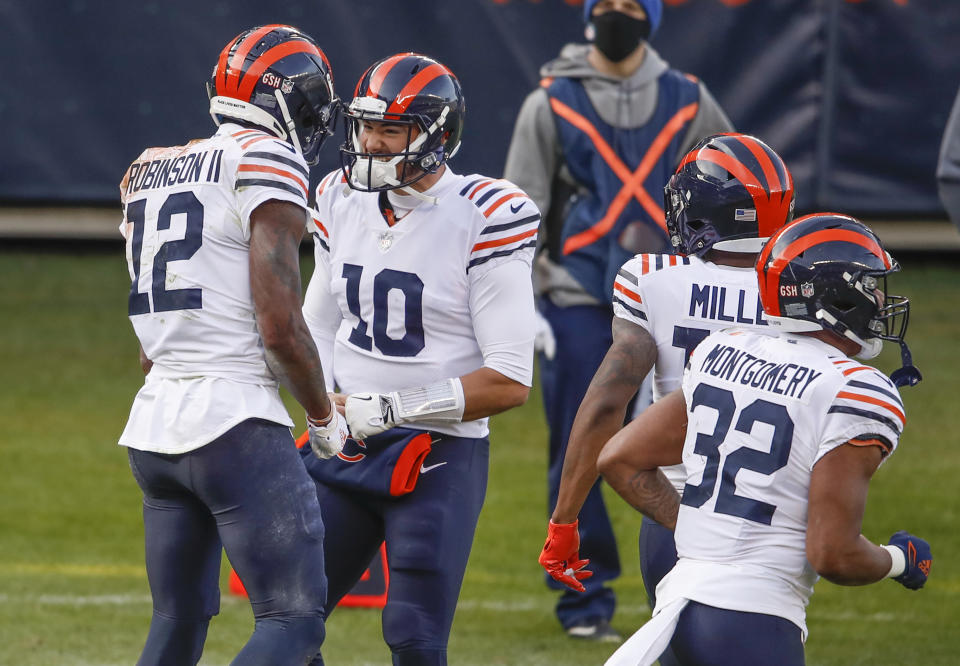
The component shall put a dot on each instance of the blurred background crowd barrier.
(854, 94)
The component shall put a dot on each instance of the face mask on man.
(617, 35)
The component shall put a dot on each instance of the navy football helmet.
(829, 271)
(277, 78)
(730, 192)
(405, 89)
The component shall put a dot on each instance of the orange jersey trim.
(846, 395)
(274, 170)
(623, 290)
(504, 241)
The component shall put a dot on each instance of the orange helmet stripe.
(771, 212)
(278, 52)
(376, 79)
(771, 277)
(410, 91)
(235, 69)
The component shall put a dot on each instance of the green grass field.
(72, 585)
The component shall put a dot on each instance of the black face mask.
(617, 35)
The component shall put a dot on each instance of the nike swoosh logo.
(515, 208)
(425, 468)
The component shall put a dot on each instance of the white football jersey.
(187, 229)
(680, 301)
(402, 303)
(762, 410)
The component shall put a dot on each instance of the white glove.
(327, 438)
(543, 340)
(371, 413)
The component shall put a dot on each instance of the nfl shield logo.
(286, 86)
(806, 290)
(384, 241)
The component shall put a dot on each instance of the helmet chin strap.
(291, 127)
(906, 375)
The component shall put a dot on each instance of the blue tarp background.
(853, 93)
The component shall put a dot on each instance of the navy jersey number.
(687, 339)
(165, 300)
(708, 445)
(411, 286)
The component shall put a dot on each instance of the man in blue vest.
(594, 147)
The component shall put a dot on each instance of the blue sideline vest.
(595, 265)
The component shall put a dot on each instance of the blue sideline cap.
(654, 9)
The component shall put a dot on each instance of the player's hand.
(919, 559)
(560, 557)
(327, 437)
(370, 413)
(543, 340)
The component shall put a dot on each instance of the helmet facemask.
(374, 172)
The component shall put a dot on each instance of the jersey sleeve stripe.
(502, 200)
(329, 178)
(644, 264)
(867, 414)
(626, 292)
(504, 241)
(858, 368)
(494, 228)
(626, 275)
(273, 157)
(323, 244)
(486, 196)
(319, 225)
(639, 314)
(248, 132)
(499, 253)
(847, 395)
(262, 182)
(883, 391)
(464, 191)
(262, 168)
(884, 445)
(257, 139)
(480, 187)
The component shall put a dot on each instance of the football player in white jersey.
(422, 309)
(780, 432)
(730, 192)
(213, 230)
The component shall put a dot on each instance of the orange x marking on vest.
(632, 180)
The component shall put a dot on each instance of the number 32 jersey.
(762, 410)
(444, 291)
(187, 229)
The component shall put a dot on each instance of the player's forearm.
(594, 426)
(648, 491)
(293, 358)
(858, 563)
(487, 392)
(275, 285)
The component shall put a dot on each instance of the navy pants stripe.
(428, 534)
(247, 490)
(706, 636)
(583, 335)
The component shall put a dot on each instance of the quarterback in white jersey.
(212, 231)
(783, 432)
(421, 305)
(735, 191)
(440, 293)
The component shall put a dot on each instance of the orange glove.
(560, 557)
